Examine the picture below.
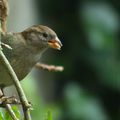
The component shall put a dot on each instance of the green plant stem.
(11, 112)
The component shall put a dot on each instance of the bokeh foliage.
(89, 88)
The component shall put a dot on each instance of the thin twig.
(3, 29)
(49, 67)
(11, 112)
(6, 45)
(16, 82)
(23, 99)
(8, 107)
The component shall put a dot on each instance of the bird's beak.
(55, 43)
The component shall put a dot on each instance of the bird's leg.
(7, 100)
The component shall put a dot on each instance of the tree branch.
(49, 67)
(23, 99)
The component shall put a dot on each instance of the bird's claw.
(9, 100)
(28, 105)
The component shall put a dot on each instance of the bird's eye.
(45, 35)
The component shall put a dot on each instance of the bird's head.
(41, 37)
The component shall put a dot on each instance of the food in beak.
(55, 43)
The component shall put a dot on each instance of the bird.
(27, 48)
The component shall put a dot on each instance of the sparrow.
(27, 48)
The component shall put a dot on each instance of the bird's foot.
(8, 100)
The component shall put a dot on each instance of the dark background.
(89, 88)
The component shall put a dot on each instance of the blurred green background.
(89, 87)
